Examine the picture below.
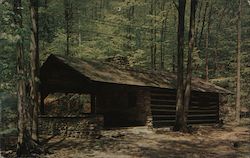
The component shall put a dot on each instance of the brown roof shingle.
(105, 72)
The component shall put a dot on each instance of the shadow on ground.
(212, 142)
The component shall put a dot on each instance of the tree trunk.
(198, 22)
(79, 28)
(206, 58)
(217, 41)
(23, 140)
(46, 24)
(174, 52)
(67, 18)
(207, 41)
(34, 65)
(187, 94)
(152, 37)
(180, 125)
(155, 32)
(130, 16)
(238, 65)
(203, 22)
(163, 30)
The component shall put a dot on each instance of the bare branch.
(176, 6)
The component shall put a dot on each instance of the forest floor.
(210, 142)
(133, 142)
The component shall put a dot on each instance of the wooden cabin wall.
(143, 106)
(123, 107)
(204, 108)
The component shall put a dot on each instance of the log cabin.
(125, 96)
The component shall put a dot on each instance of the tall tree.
(152, 34)
(207, 40)
(238, 107)
(198, 21)
(221, 15)
(187, 94)
(68, 17)
(23, 141)
(34, 65)
(174, 52)
(203, 22)
(130, 16)
(180, 125)
(79, 27)
(162, 36)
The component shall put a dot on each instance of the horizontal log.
(202, 118)
(163, 98)
(204, 99)
(202, 121)
(192, 96)
(169, 117)
(188, 121)
(211, 94)
(193, 93)
(202, 112)
(191, 115)
(167, 100)
(164, 121)
(203, 108)
(163, 94)
(204, 102)
(163, 91)
(173, 102)
(163, 102)
(172, 107)
(163, 110)
(163, 124)
(163, 113)
(189, 118)
(170, 110)
(162, 106)
(204, 105)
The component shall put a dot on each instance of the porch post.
(93, 103)
(42, 111)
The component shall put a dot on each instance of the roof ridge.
(102, 71)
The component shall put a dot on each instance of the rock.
(78, 127)
(118, 135)
(236, 144)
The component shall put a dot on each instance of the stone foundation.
(144, 110)
(71, 126)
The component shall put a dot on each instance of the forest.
(191, 39)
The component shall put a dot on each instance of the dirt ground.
(207, 142)
(135, 142)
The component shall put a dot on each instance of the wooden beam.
(42, 97)
(93, 103)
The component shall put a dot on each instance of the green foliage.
(101, 29)
(8, 111)
(7, 41)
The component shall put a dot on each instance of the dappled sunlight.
(143, 142)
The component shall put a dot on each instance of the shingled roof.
(104, 72)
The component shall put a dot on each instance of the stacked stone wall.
(144, 109)
(71, 126)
